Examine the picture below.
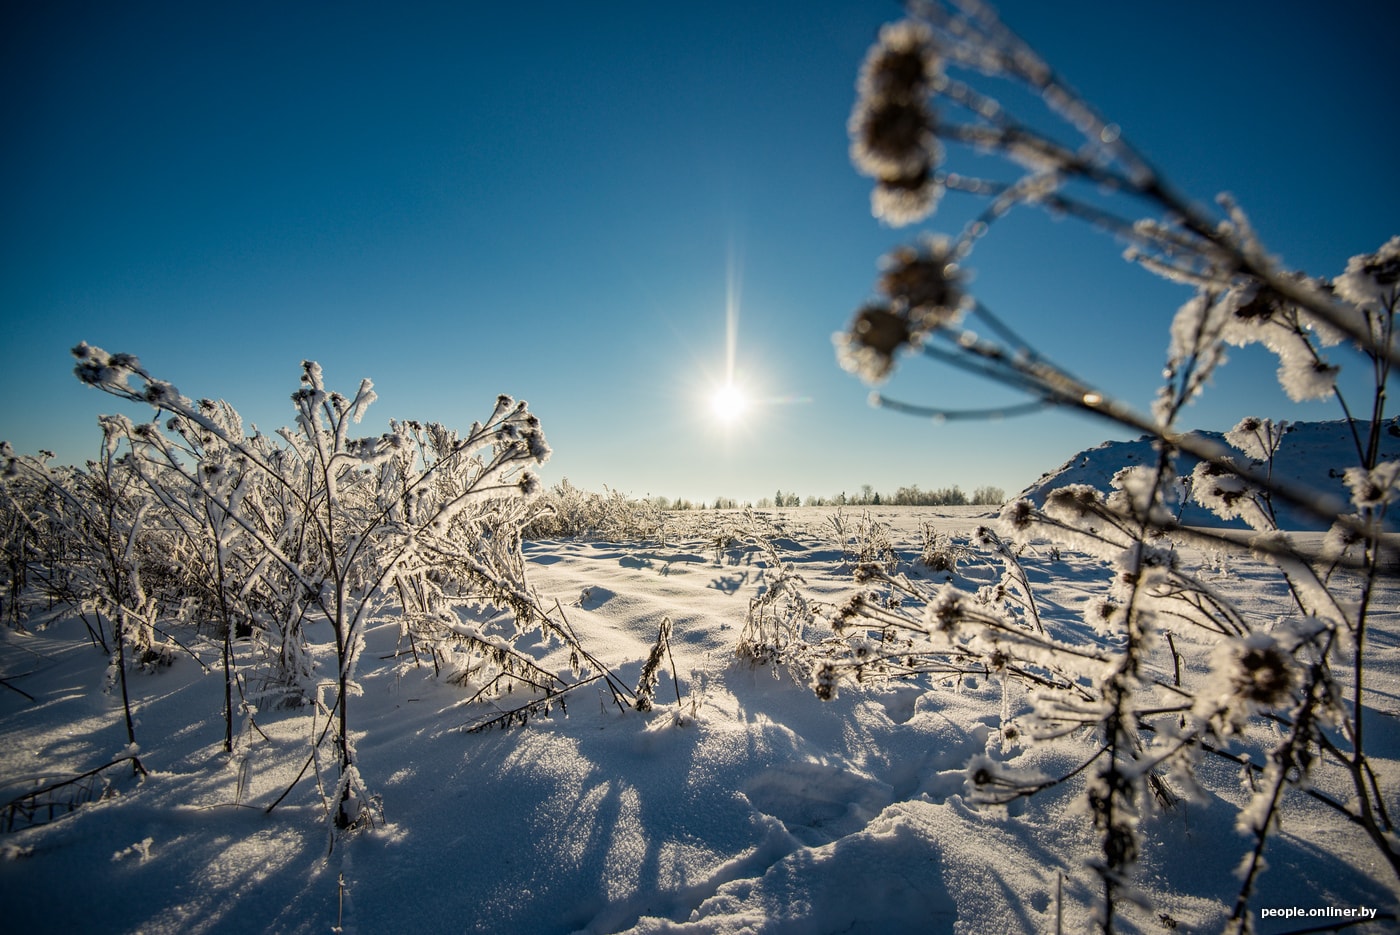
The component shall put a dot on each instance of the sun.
(728, 403)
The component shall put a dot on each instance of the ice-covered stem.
(1112, 795)
(1260, 817)
(1116, 789)
(1370, 802)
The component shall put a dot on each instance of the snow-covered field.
(751, 806)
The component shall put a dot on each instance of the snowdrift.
(1313, 455)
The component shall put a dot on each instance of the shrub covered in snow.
(565, 510)
(191, 523)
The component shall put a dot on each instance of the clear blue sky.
(460, 199)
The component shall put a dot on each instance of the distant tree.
(993, 496)
(950, 496)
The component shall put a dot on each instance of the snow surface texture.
(1312, 455)
(750, 807)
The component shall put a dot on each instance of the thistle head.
(868, 346)
(924, 283)
(892, 127)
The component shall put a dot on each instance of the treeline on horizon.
(868, 496)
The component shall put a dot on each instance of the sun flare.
(728, 403)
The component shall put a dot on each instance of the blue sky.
(555, 200)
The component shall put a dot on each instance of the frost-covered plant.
(99, 521)
(864, 540)
(1293, 693)
(778, 615)
(651, 670)
(735, 535)
(351, 516)
(213, 565)
(940, 552)
(567, 511)
(1013, 590)
(29, 536)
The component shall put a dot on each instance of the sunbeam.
(733, 273)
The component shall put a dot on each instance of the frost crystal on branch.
(1371, 280)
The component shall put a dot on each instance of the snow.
(750, 807)
(1311, 455)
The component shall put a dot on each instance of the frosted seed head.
(1305, 378)
(161, 394)
(1074, 500)
(1374, 488)
(892, 138)
(1341, 538)
(1263, 305)
(867, 348)
(925, 282)
(903, 63)
(1263, 673)
(945, 611)
(867, 571)
(1018, 513)
(904, 199)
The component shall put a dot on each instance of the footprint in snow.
(818, 802)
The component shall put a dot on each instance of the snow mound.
(1313, 455)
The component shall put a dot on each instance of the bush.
(565, 511)
(193, 520)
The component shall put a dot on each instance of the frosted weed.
(1287, 697)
